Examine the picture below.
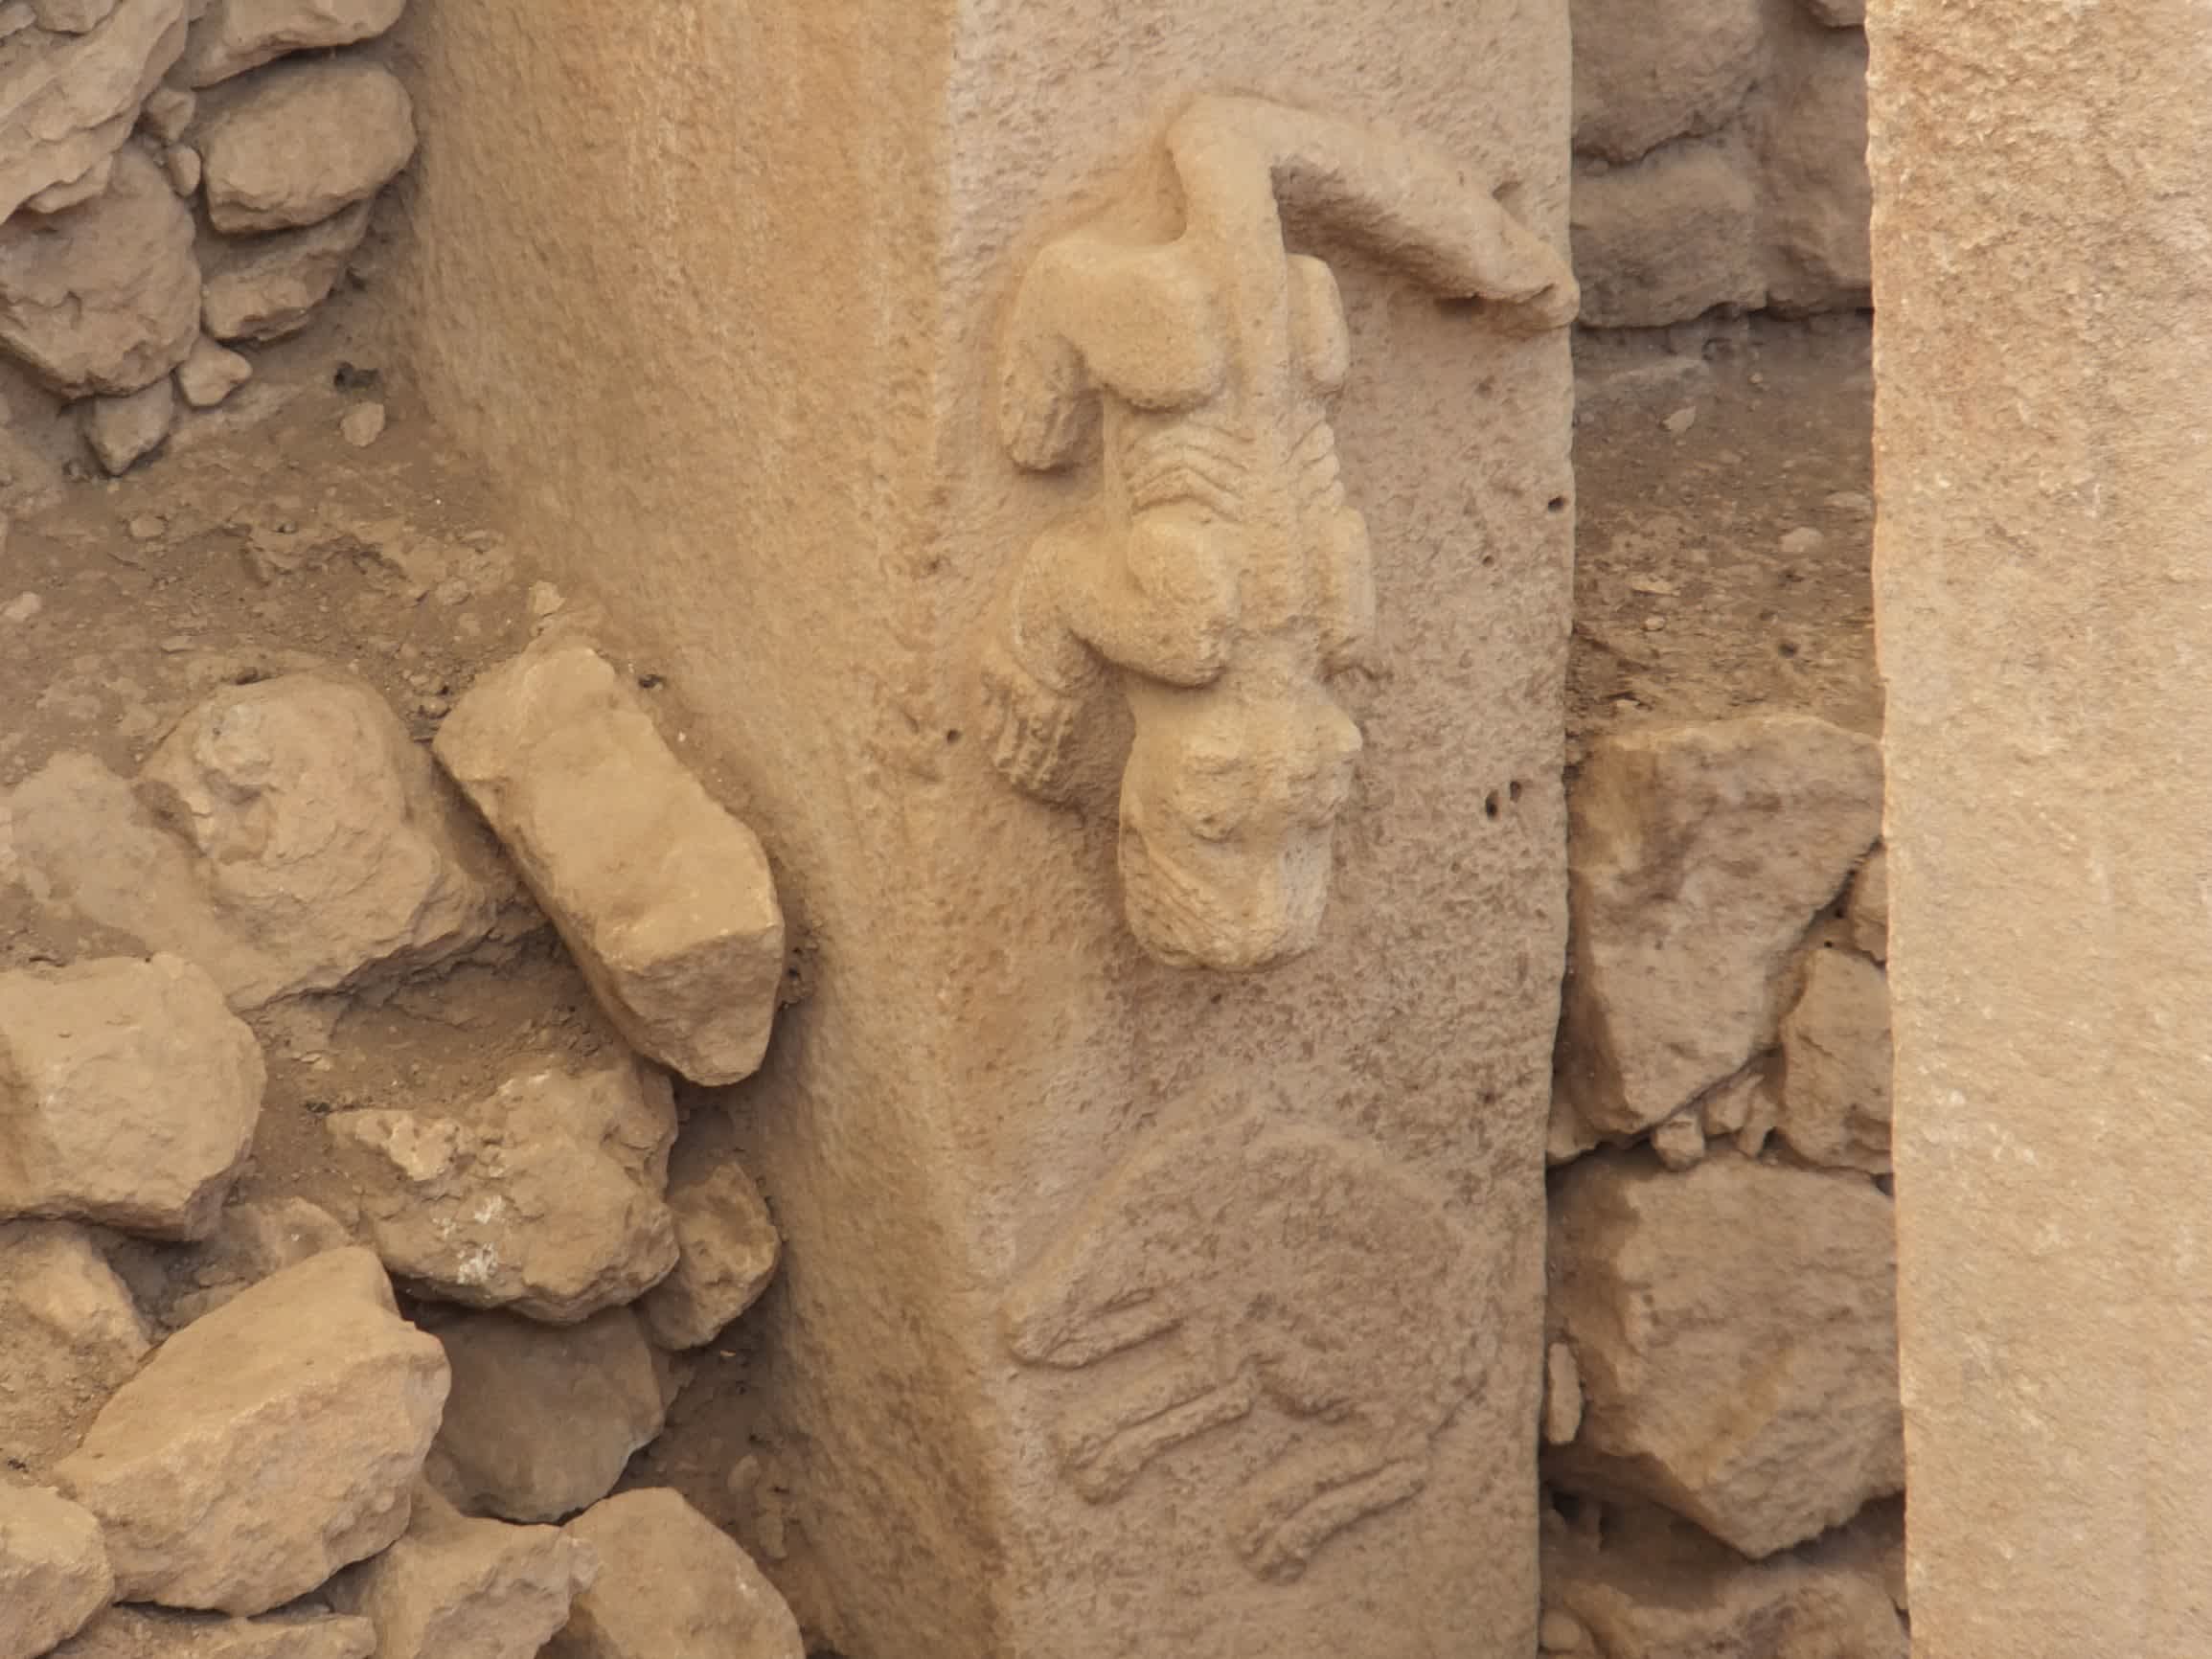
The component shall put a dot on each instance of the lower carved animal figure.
(1259, 1262)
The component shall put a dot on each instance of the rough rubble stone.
(267, 1444)
(105, 297)
(1698, 855)
(251, 1241)
(1668, 238)
(542, 1419)
(93, 181)
(1562, 1395)
(211, 373)
(1818, 196)
(1647, 70)
(320, 831)
(1656, 1589)
(665, 899)
(461, 1588)
(182, 166)
(670, 1585)
(128, 1095)
(169, 110)
(726, 1240)
(1866, 912)
(234, 35)
(71, 16)
(1836, 1065)
(1734, 1327)
(544, 1195)
(69, 1337)
(265, 287)
(302, 141)
(124, 431)
(145, 1633)
(67, 102)
(54, 1572)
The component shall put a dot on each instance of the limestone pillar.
(2042, 266)
(1093, 482)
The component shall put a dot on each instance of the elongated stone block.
(665, 898)
(1096, 479)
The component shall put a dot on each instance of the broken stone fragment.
(1734, 1327)
(1641, 77)
(267, 1444)
(234, 35)
(670, 1585)
(211, 373)
(72, 192)
(71, 16)
(72, 1337)
(128, 1095)
(1562, 1395)
(1836, 1065)
(726, 1241)
(145, 1633)
(169, 110)
(1697, 858)
(54, 1572)
(182, 164)
(68, 101)
(665, 899)
(124, 431)
(302, 140)
(1818, 198)
(264, 287)
(1668, 238)
(461, 1588)
(250, 1242)
(103, 298)
(1866, 912)
(1656, 1588)
(319, 830)
(543, 1419)
(544, 1195)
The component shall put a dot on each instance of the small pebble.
(545, 598)
(1653, 585)
(1680, 421)
(1655, 623)
(363, 424)
(1803, 539)
(146, 527)
(452, 591)
(22, 607)
(1856, 502)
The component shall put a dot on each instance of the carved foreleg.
(1037, 674)
(1311, 1496)
(1104, 1451)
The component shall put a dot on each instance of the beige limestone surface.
(738, 357)
(2045, 617)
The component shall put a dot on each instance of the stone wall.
(1720, 158)
(1721, 1423)
(181, 182)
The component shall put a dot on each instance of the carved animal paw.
(1033, 742)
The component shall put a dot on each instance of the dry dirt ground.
(1724, 525)
(264, 541)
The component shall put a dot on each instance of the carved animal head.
(1228, 810)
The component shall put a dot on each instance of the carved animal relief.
(1246, 1262)
(1220, 574)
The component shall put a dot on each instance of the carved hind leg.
(1104, 1451)
(1311, 1496)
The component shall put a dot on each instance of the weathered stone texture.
(664, 897)
(728, 1243)
(1836, 1065)
(67, 102)
(145, 1633)
(54, 1572)
(73, 1336)
(544, 1195)
(104, 297)
(298, 143)
(231, 36)
(128, 1095)
(1700, 854)
(542, 1419)
(265, 287)
(265, 1444)
(454, 1586)
(670, 1585)
(1734, 1329)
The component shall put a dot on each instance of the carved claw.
(1034, 736)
